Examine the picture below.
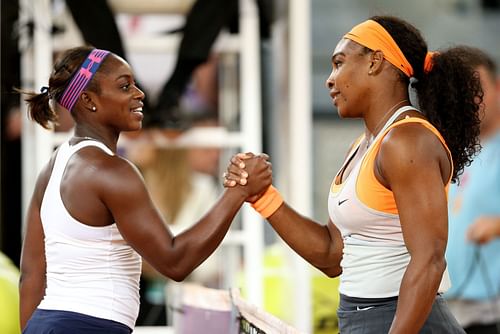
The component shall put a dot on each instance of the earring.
(370, 72)
(94, 108)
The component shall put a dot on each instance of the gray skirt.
(365, 316)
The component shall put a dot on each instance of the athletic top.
(374, 255)
(90, 270)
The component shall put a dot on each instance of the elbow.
(176, 272)
(332, 272)
(178, 276)
(437, 260)
(434, 264)
(439, 263)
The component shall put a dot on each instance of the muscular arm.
(33, 266)
(124, 193)
(414, 164)
(319, 245)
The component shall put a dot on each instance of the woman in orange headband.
(388, 226)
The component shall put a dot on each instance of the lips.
(137, 112)
(334, 95)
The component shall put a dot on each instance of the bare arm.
(33, 266)
(142, 226)
(320, 245)
(414, 165)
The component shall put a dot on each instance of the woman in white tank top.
(91, 217)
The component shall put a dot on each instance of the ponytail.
(39, 108)
(450, 96)
(449, 92)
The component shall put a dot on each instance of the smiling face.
(348, 81)
(119, 103)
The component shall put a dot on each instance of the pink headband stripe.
(72, 91)
(82, 78)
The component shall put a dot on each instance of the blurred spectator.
(474, 218)
(203, 24)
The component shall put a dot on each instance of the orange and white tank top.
(374, 255)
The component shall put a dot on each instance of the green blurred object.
(278, 296)
(9, 296)
(325, 301)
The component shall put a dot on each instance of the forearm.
(31, 291)
(311, 240)
(417, 294)
(190, 248)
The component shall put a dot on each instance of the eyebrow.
(337, 54)
(126, 76)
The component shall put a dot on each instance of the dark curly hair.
(449, 95)
(39, 107)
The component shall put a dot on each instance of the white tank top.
(375, 256)
(90, 270)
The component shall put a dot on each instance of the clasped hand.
(252, 173)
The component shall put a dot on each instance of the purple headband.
(82, 78)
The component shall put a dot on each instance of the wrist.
(268, 203)
(236, 192)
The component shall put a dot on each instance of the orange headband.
(372, 35)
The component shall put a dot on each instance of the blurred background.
(260, 89)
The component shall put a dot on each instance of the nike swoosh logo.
(364, 308)
(343, 201)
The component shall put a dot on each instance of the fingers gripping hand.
(249, 170)
(260, 175)
(236, 173)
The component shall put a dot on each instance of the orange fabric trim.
(369, 190)
(372, 35)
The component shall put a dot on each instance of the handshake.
(252, 175)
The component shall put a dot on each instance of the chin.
(134, 127)
(342, 113)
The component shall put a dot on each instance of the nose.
(330, 82)
(139, 94)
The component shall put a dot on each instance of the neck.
(92, 133)
(376, 123)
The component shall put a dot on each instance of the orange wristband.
(268, 203)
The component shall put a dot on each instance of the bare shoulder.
(409, 149)
(412, 139)
(106, 170)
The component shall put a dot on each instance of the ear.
(376, 62)
(87, 101)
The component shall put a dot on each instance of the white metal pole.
(252, 141)
(300, 144)
(35, 70)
